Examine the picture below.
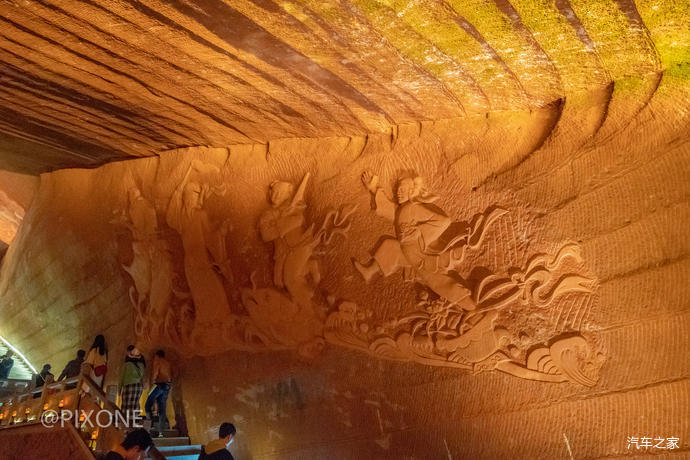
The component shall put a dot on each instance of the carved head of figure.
(411, 188)
(405, 191)
(133, 194)
(192, 196)
(280, 192)
(348, 311)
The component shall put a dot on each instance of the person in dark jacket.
(44, 376)
(6, 363)
(73, 368)
(136, 443)
(218, 449)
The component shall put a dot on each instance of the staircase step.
(166, 433)
(19, 371)
(194, 456)
(171, 441)
(184, 457)
(179, 450)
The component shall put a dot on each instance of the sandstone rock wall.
(59, 285)
(88, 83)
(16, 193)
(548, 319)
(532, 157)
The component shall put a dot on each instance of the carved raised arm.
(370, 181)
(384, 206)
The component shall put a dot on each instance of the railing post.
(80, 389)
(44, 391)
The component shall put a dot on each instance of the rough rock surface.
(84, 83)
(550, 318)
(16, 193)
(176, 251)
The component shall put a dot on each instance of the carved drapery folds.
(287, 315)
(524, 314)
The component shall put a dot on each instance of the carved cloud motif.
(469, 324)
(525, 319)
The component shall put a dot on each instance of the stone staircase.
(172, 445)
(20, 371)
(176, 447)
(20, 378)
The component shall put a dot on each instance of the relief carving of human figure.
(151, 267)
(286, 315)
(203, 243)
(283, 224)
(422, 247)
(140, 218)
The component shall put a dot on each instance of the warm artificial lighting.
(18, 353)
(28, 409)
(45, 407)
(94, 435)
(61, 403)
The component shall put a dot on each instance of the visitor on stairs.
(161, 378)
(6, 364)
(43, 378)
(218, 449)
(73, 368)
(132, 381)
(98, 360)
(136, 444)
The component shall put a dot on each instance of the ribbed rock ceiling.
(86, 82)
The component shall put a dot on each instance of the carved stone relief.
(206, 265)
(151, 267)
(522, 318)
(461, 324)
(443, 333)
(287, 313)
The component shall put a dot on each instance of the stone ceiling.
(84, 83)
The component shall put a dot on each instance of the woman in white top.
(98, 360)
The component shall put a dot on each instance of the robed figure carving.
(287, 314)
(428, 246)
(203, 241)
(293, 246)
